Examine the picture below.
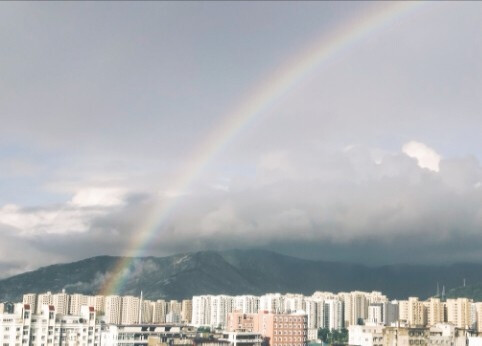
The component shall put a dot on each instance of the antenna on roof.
(140, 310)
(438, 291)
(464, 282)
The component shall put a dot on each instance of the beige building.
(76, 302)
(402, 336)
(459, 312)
(43, 299)
(61, 303)
(186, 311)
(31, 300)
(97, 302)
(356, 306)
(435, 311)
(478, 314)
(130, 310)
(113, 309)
(159, 311)
(416, 312)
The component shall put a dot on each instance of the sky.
(373, 156)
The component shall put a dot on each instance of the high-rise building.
(43, 299)
(98, 302)
(478, 312)
(459, 312)
(416, 312)
(31, 300)
(333, 314)
(186, 311)
(201, 310)
(435, 311)
(159, 311)
(130, 310)
(113, 309)
(76, 302)
(375, 314)
(61, 303)
(23, 327)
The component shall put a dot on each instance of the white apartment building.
(292, 303)
(375, 314)
(333, 314)
(272, 302)
(242, 339)
(221, 306)
(48, 328)
(143, 334)
(201, 310)
(315, 312)
(246, 304)
(370, 335)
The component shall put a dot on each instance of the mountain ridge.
(238, 272)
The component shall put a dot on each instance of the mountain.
(238, 272)
(470, 291)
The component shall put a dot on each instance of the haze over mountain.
(238, 272)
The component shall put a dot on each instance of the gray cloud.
(353, 207)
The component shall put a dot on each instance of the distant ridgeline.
(238, 272)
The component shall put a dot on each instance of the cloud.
(426, 157)
(338, 205)
(98, 197)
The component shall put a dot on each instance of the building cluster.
(220, 320)
(114, 309)
(341, 310)
(322, 309)
(439, 334)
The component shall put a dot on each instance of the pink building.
(279, 329)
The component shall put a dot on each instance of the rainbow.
(260, 99)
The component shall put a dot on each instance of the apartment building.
(369, 335)
(145, 334)
(43, 299)
(278, 329)
(48, 328)
(186, 311)
(113, 309)
(459, 312)
(60, 301)
(242, 339)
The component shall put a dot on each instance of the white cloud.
(426, 157)
(43, 221)
(98, 197)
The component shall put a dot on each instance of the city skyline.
(136, 129)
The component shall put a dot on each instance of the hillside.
(238, 272)
(470, 291)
